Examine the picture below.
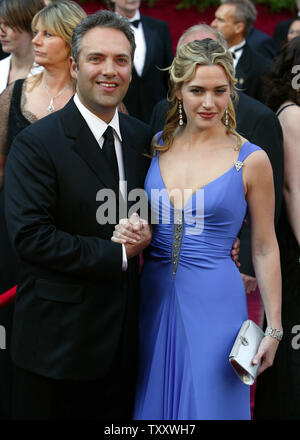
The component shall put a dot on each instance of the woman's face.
(49, 49)
(13, 40)
(127, 7)
(205, 97)
(294, 30)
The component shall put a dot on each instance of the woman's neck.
(210, 135)
(22, 62)
(56, 78)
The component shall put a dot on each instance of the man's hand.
(249, 282)
(128, 230)
(235, 252)
(134, 233)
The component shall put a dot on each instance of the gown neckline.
(202, 187)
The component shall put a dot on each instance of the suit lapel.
(86, 146)
(242, 69)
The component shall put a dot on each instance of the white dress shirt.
(4, 72)
(98, 128)
(141, 48)
(5, 69)
(238, 52)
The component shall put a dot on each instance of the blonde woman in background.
(26, 101)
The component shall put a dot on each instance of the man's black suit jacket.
(262, 43)
(76, 312)
(259, 125)
(249, 71)
(146, 90)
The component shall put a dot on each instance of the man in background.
(234, 19)
(149, 83)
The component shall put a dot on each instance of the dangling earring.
(180, 113)
(226, 117)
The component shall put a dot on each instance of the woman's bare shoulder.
(290, 114)
(257, 166)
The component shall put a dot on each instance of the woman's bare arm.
(289, 120)
(258, 178)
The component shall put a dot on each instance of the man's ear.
(239, 28)
(73, 68)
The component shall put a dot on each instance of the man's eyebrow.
(124, 55)
(102, 54)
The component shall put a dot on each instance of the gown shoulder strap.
(285, 106)
(246, 149)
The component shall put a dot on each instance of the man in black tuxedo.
(281, 29)
(75, 331)
(153, 52)
(262, 43)
(234, 19)
(259, 125)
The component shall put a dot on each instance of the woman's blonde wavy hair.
(189, 56)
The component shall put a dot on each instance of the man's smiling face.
(104, 69)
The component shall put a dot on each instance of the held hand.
(128, 230)
(266, 353)
(235, 252)
(249, 283)
(145, 237)
(134, 233)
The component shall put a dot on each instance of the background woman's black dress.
(278, 388)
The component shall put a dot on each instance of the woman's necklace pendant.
(50, 107)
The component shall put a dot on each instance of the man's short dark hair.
(103, 19)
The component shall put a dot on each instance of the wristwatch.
(274, 333)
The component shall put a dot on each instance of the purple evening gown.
(193, 303)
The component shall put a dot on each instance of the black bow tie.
(237, 50)
(135, 23)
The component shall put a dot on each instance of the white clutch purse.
(243, 351)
